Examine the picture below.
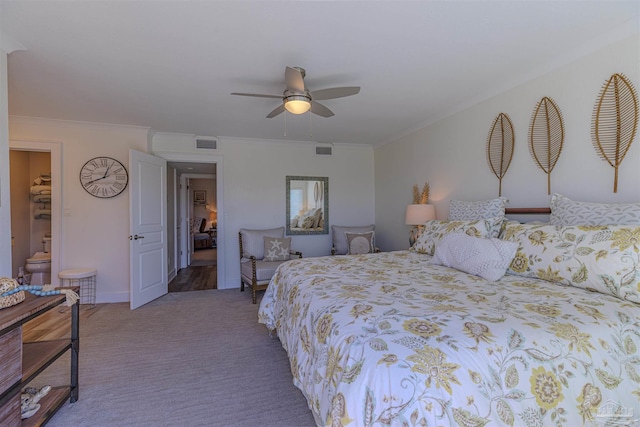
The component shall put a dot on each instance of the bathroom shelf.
(21, 362)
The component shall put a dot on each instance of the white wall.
(94, 231)
(254, 188)
(451, 154)
(5, 209)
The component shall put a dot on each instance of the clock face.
(104, 177)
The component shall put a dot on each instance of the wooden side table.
(213, 232)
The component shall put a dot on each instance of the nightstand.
(213, 232)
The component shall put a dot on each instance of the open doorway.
(194, 222)
(36, 188)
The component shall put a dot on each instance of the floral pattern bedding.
(389, 339)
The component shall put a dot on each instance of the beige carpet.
(187, 359)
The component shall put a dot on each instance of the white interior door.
(147, 227)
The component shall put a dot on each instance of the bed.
(396, 339)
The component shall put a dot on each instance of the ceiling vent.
(324, 150)
(206, 143)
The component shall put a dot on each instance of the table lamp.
(417, 215)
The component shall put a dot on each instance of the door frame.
(218, 161)
(55, 149)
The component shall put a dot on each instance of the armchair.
(353, 239)
(261, 252)
(201, 239)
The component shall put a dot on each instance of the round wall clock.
(104, 177)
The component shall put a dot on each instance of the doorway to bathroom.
(35, 189)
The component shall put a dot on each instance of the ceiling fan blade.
(294, 79)
(257, 95)
(335, 92)
(320, 109)
(276, 111)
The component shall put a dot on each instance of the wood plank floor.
(200, 275)
(195, 279)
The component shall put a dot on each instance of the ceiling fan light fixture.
(297, 104)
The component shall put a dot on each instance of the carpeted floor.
(187, 359)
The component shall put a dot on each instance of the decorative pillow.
(600, 258)
(340, 240)
(435, 230)
(487, 258)
(294, 221)
(199, 224)
(318, 218)
(253, 240)
(483, 209)
(309, 222)
(492, 209)
(360, 243)
(276, 248)
(565, 211)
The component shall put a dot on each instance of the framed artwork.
(199, 197)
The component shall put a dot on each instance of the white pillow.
(487, 258)
(565, 211)
(601, 258)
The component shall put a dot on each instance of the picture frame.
(199, 197)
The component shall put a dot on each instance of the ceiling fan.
(297, 99)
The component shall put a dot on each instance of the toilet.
(39, 265)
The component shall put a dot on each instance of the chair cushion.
(264, 270)
(276, 248)
(339, 237)
(253, 240)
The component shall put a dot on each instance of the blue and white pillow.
(565, 211)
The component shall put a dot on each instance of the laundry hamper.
(83, 277)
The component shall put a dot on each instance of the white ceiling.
(171, 65)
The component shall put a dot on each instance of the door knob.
(136, 237)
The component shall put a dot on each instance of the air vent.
(206, 144)
(324, 150)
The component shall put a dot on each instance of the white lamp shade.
(419, 214)
(297, 104)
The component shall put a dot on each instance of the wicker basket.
(7, 284)
(11, 300)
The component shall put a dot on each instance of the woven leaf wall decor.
(546, 136)
(500, 144)
(615, 121)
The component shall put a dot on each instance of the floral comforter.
(389, 339)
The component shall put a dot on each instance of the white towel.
(42, 213)
(41, 189)
(42, 198)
